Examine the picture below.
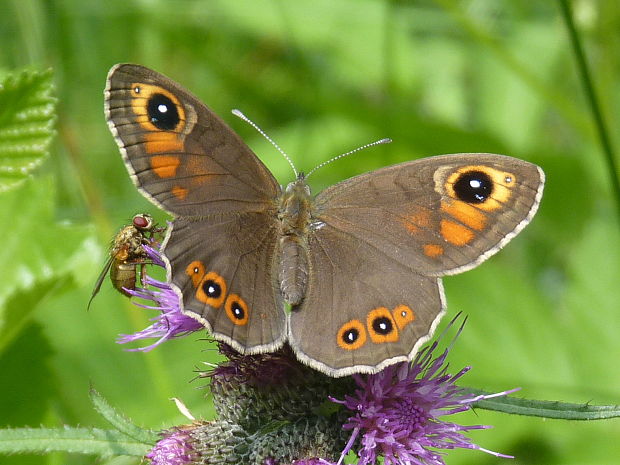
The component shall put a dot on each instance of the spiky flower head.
(399, 414)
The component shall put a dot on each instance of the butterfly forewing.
(180, 154)
(412, 212)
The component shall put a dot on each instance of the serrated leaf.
(120, 421)
(26, 125)
(91, 441)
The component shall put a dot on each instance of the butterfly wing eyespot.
(237, 310)
(212, 290)
(351, 335)
(381, 326)
(403, 315)
(196, 271)
(481, 186)
(157, 109)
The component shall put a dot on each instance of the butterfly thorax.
(294, 215)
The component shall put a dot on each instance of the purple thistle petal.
(173, 449)
(171, 322)
(397, 414)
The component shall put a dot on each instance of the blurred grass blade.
(121, 422)
(91, 441)
(546, 408)
(26, 124)
(597, 114)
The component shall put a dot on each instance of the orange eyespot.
(351, 335)
(195, 270)
(482, 186)
(212, 290)
(381, 326)
(403, 315)
(237, 310)
(157, 108)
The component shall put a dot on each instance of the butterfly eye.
(473, 187)
(237, 310)
(212, 290)
(381, 326)
(403, 315)
(352, 335)
(162, 112)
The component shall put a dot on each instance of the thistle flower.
(397, 413)
(171, 322)
(173, 449)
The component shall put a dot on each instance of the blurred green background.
(323, 77)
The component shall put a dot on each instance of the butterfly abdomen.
(294, 216)
(293, 272)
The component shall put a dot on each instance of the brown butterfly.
(127, 254)
(351, 278)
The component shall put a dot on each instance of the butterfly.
(127, 254)
(350, 278)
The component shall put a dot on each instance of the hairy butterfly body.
(360, 264)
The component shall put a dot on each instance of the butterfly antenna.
(342, 155)
(262, 133)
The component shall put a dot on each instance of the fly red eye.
(142, 221)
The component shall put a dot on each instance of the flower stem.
(601, 127)
(546, 408)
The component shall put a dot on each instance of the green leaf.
(121, 422)
(26, 125)
(27, 387)
(38, 255)
(546, 408)
(91, 441)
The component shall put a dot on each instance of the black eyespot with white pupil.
(473, 187)
(382, 325)
(211, 288)
(237, 310)
(350, 336)
(162, 112)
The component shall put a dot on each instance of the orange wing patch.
(180, 192)
(163, 142)
(165, 166)
(467, 214)
(456, 233)
(432, 250)
(420, 219)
